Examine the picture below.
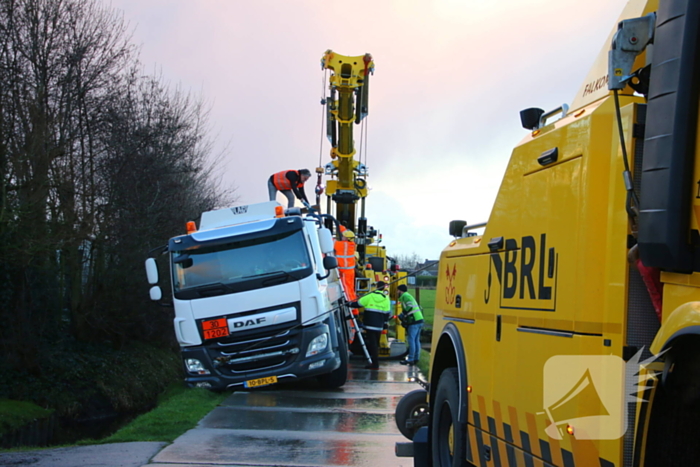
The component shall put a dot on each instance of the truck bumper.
(296, 366)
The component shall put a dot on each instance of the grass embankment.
(79, 381)
(16, 414)
(179, 409)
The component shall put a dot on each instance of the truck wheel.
(675, 407)
(412, 412)
(448, 435)
(339, 376)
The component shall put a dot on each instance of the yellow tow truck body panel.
(545, 322)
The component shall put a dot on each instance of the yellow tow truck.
(568, 333)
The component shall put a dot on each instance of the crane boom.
(346, 105)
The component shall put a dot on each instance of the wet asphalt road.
(301, 425)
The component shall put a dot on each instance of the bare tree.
(56, 56)
(97, 163)
(408, 261)
(155, 177)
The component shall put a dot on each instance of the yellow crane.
(346, 106)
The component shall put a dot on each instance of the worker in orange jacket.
(345, 253)
(290, 183)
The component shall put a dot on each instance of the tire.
(448, 439)
(675, 408)
(412, 412)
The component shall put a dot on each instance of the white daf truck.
(257, 298)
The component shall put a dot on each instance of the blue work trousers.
(413, 337)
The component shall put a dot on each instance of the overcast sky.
(451, 77)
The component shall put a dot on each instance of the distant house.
(426, 275)
(428, 268)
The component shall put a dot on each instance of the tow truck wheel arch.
(683, 320)
(450, 353)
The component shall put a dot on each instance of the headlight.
(317, 345)
(195, 366)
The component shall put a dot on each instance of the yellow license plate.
(255, 383)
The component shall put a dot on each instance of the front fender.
(683, 320)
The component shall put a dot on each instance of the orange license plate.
(215, 328)
(254, 383)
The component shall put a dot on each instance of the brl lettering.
(526, 273)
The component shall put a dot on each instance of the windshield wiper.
(214, 284)
(213, 287)
(264, 274)
(272, 276)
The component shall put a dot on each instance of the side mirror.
(325, 238)
(152, 272)
(156, 293)
(330, 262)
(456, 228)
(530, 118)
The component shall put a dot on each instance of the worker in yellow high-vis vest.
(412, 319)
(377, 312)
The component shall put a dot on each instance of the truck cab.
(257, 299)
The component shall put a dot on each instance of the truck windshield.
(238, 266)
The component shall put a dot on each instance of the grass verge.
(179, 409)
(15, 414)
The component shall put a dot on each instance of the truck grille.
(264, 350)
